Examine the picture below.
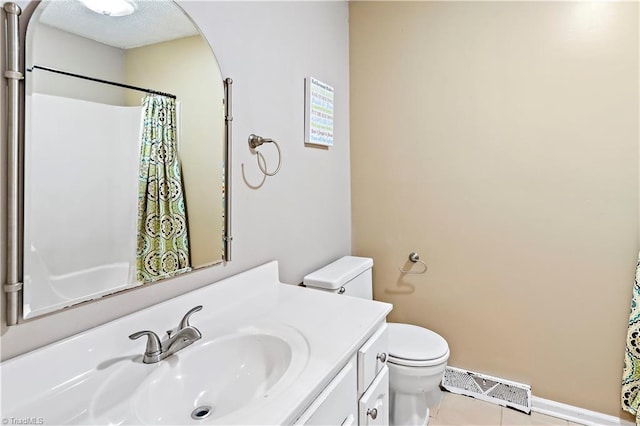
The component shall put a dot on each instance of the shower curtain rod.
(99, 80)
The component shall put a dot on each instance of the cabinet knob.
(372, 412)
(382, 357)
(342, 290)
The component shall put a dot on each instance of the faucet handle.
(153, 342)
(185, 320)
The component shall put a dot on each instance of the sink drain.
(201, 412)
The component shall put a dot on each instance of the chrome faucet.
(176, 339)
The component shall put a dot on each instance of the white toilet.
(417, 356)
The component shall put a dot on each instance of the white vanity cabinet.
(359, 393)
(336, 372)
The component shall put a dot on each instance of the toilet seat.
(417, 363)
(414, 346)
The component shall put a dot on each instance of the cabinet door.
(373, 408)
(336, 404)
(372, 357)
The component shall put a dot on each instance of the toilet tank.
(348, 275)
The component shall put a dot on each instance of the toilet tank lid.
(338, 273)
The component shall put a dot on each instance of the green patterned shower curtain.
(631, 375)
(163, 243)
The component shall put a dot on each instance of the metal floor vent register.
(486, 388)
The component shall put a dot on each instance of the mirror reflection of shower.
(88, 73)
(87, 208)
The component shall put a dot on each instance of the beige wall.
(54, 48)
(500, 142)
(174, 66)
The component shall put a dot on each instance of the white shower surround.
(65, 214)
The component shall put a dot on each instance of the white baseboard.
(575, 414)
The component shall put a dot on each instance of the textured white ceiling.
(153, 21)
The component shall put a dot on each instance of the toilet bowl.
(417, 356)
(417, 359)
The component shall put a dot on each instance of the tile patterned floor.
(458, 410)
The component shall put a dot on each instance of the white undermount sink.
(217, 379)
(204, 382)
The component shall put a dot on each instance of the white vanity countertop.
(73, 375)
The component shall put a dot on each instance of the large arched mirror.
(125, 149)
